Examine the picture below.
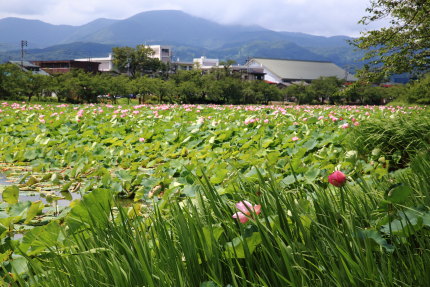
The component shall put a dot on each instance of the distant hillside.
(38, 34)
(60, 52)
(188, 35)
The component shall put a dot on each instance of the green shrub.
(399, 137)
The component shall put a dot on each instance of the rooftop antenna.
(24, 43)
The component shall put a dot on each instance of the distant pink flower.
(295, 139)
(345, 126)
(250, 121)
(141, 140)
(266, 121)
(246, 208)
(356, 123)
(337, 178)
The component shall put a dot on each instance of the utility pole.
(24, 43)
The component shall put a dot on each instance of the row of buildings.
(276, 71)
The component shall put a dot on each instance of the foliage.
(135, 61)
(393, 140)
(183, 169)
(327, 89)
(218, 86)
(419, 91)
(332, 90)
(303, 237)
(301, 93)
(16, 84)
(400, 47)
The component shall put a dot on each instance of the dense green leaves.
(135, 61)
(179, 172)
(402, 45)
(10, 194)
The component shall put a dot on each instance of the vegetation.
(218, 86)
(403, 45)
(201, 194)
(188, 173)
(135, 61)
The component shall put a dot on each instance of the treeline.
(76, 86)
(219, 86)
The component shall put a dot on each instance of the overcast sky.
(318, 17)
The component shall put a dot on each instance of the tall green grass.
(304, 236)
(400, 137)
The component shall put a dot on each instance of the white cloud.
(322, 17)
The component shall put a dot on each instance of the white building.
(205, 63)
(162, 53)
(106, 64)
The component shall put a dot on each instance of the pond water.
(65, 200)
(4, 180)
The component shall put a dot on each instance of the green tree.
(373, 95)
(13, 82)
(419, 91)
(327, 88)
(227, 65)
(118, 86)
(144, 88)
(189, 92)
(37, 85)
(259, 92)
(78, 86)
(401, 47)
(135, 61)
(302, 92)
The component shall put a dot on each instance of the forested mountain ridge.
(189, 36)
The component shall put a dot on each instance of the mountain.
(38, 34)
(171, 26)
(83, 31)
(189, 36)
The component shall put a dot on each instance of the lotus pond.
(69, 174)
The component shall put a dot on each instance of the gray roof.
(25, 64)
(291, 70)
(30, 67)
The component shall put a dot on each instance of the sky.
(317, 17)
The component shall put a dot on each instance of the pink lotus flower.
(246, 208)
(337, 178)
